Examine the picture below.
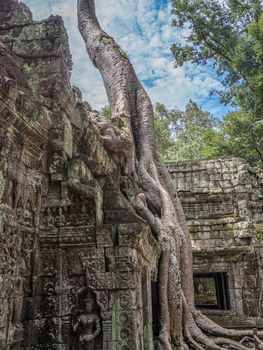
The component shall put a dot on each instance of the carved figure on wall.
(50, 220)
(15, 305)
(28, 214)
(17, 301)
(20, 211)
(5, 291)
(86, 325)
(10, 193)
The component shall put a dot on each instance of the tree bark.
(182, 326)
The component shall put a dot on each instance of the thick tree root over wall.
(131, 140)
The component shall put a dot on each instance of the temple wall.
(78, 266)
(223, 203)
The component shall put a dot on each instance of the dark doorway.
(211, 290)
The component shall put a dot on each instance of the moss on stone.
(116, 326)
(223, 252)
(68, 138)
(148, 337)
(32, 76)
(32, 32)
(124, 54)
(78, 170)
(2, 184)
(2, 220)
(259, 231)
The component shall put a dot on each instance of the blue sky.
(143, 29)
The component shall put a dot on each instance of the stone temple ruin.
(78, 266)
(222, 200)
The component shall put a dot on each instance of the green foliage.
(181, 135)
(239, 136)
(125, 54)
(227, 34)
(163, 134)
(195, 134)
(106, 112)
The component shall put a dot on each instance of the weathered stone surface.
(223, 201)
(72, 250)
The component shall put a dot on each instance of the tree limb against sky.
(147, 35)
(181, 325)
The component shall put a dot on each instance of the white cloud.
(145, 33)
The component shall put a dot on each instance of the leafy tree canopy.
(195, 134)
(106, 112)
(227, 34)
(240, 136)
(181, 135)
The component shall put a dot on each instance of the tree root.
(117, 142)
(199, 332)
(182, 327)
(231, 344)
(197, 340)
(213, 329)
(196, 337)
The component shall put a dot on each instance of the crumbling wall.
(72, 249)
(223, 203)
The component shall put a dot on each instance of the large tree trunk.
(133, 144)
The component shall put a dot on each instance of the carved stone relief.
(86, 323)
(76, 263)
